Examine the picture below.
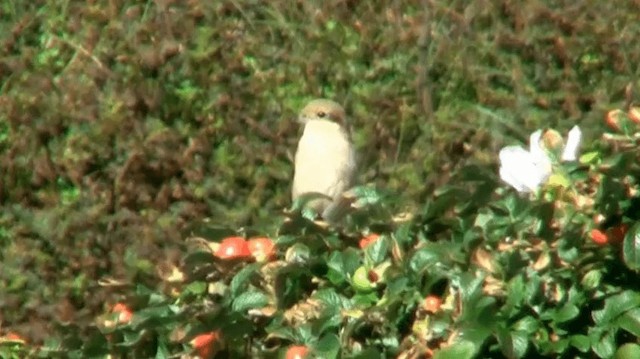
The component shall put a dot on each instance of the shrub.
(480, 270)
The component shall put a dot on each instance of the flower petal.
(574, 138)
(522, 170)
(534, 144)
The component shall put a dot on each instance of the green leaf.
(566, 313)
(515, 292)
(527, 325)
(364, 300)
(249, 300)
(516, 205)
(630, 321)
(479, 314)
(558, 180)
(162, 350)
(197, 258)
(532, 288)
(131, 338)
(341, 264)
(590, 157)
(592, 279)
(605, 347)
(276, 330)
(369, 353)
(631, 248)
(404, 235)
(367, 195)
(331, 299)
(483, 219)
(397, 286)
(430, 254)
(351, 259)
(378, 250)
(163, 312)
(328, 346)
(242, 277)
(206, 228)
(580, 342)
(196, 287)
(336, 273)
(285, 240)
(616, 305)
(513, 344)
(459, 350)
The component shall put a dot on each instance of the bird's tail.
(338, 208)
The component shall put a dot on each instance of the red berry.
(11, 336)
(367, 240)
(432, 303)
(262, 249)
(124, 313)
(233, 248)
(599, 237)
(297, 352)
(207, 344)
(373, 276)
(613, 119)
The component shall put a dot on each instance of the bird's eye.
(321, 114)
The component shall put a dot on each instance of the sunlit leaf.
(630, 321)
(589, 157)
(249, 300)
(514, 344)
(328, 346)
(605, 347)
(581, 342)
(616, 305)
(242, 277)
(459, 350)
(631, 248)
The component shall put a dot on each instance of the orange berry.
(233, 248)
(432, 303)
(613, 119)
(599, 237)
(634, 114)
(207, 344)
(297, 352)
(262, 249)
(367, 240)
(124, 313)
(14, 337)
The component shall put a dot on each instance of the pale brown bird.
(325, 159)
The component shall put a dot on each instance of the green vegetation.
(127, 127)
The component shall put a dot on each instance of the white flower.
(526, 170)
(570, 152)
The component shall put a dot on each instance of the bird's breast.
(324, 161)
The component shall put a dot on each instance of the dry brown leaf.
(484, 260)
(303, 312)
(267, 311)
(542, 262)
(493, 287)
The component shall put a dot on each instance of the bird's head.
(322, 109)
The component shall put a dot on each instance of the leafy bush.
(479, 271)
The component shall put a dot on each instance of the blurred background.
(123, 123)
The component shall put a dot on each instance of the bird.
(325, 161)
